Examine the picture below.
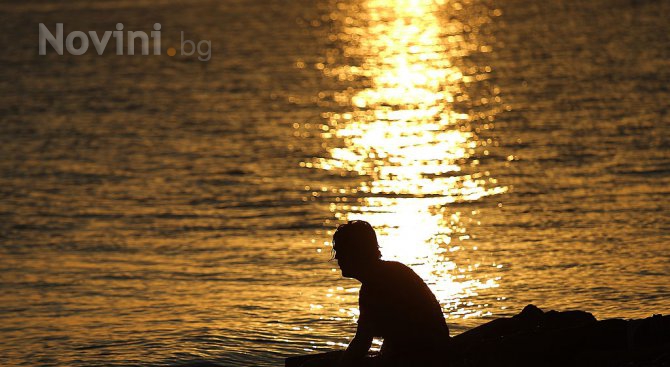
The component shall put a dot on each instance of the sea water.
(162, 210)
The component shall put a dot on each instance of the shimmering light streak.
(406, 140)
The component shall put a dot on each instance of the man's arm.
(358, 348)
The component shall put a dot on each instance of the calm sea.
(167, 211)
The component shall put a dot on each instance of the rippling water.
(166, 211)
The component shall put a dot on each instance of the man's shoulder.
(396, 266)
(393, 270)
(389, 277)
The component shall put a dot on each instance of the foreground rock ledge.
(569, 338)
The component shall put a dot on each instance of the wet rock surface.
(569, 338)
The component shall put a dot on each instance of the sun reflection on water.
(414, 152)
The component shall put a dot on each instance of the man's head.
(355, 245)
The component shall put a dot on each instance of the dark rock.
(569, 338)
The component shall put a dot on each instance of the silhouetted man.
(394, 303)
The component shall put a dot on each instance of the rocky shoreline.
(569, 338)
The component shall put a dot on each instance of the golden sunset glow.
(177, 207)
(406, 141)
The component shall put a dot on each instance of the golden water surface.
(164, 211)
(412, 148)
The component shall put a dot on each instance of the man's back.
(398, 306)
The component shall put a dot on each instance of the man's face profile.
(345, 260)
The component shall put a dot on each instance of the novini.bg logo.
(60, 43)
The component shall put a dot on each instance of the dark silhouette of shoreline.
(569, 338)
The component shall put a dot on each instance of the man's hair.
(358, 234)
